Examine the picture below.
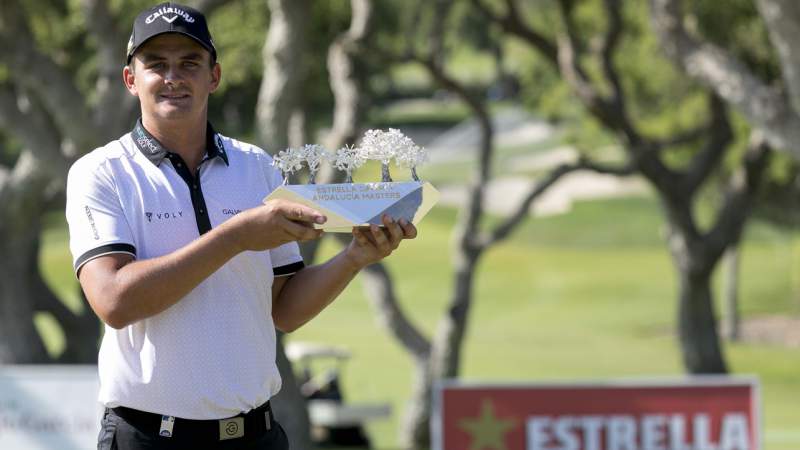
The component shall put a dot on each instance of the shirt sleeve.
(96, 220)
(286, 259)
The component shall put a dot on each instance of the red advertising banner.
(697, 413)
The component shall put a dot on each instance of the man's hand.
(373, 243)
(274, 223)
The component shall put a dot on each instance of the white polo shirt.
(212, 354)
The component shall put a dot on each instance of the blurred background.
(620, 188)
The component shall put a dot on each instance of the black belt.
(253, 423)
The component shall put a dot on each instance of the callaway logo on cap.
(170, 18)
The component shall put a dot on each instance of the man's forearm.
(141, 289)
(122, 292)
(310, 290)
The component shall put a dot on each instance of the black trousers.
(118, 434)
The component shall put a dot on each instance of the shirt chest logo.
(230, 211)
(161, 216)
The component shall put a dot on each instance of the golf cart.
(334, 422)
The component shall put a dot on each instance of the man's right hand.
(275, 223)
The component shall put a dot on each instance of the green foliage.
(660, 99)
(783, 169)
(59, 31)
(738, 28)
(9, 149)
(239, 31)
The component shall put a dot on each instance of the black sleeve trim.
(288, 269)
(101, 251)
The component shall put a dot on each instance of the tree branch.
(436, 37)
(564, 55)
(683, 138)
(5, 175)
(511, 22)
(610, 111)
(115, 108)
(25, 115)
(345, 78)
(466, 228)
(570, 70)
(40, 74)
(739, 196)
(643, 152)
(782, 18)
(609, 46)
(764, 107)
(709, 157)
(380, 290)
(503, 230)
(470, 216)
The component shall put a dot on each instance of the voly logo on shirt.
(161, 216)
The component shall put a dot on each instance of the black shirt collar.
(155, 152)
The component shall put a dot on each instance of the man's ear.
(129, 77)
(216, 76)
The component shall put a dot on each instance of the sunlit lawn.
(587, 295)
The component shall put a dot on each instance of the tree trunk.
(23, 292)
(19, 281)
(278, 99)
(731, 320)
(699, 341)
(289, 404)
(22, 204)
(283, 72)
(446, 354)
(445, 357)
(415, 425)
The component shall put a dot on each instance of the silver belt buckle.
(231, 428)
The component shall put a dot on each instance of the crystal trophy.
(350, 204)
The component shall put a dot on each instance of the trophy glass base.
(349, 205)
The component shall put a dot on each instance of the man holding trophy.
(190, 269)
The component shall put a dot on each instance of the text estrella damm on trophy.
(351, 204)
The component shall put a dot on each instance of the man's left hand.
(373, 243)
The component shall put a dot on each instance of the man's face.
(172, 75)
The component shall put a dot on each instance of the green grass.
(583, 296)
(587, 295)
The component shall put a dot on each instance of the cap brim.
(211, 50)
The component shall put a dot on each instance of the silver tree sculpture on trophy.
(288, 161)
(379, 145)
(407, 154)
(347, 159)
(314, 154)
